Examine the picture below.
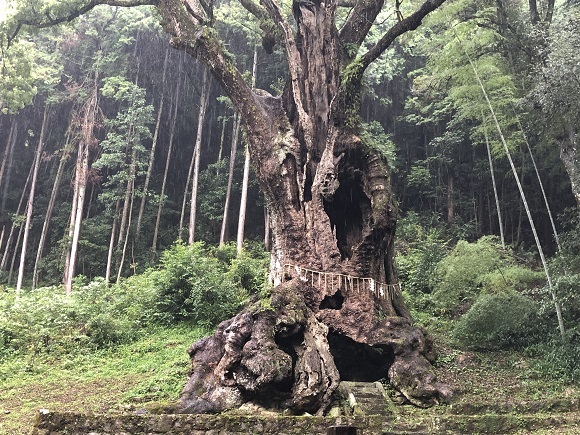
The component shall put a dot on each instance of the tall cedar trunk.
(233, 150)
(167, 161)
(112, 243)
(197, 155)
(497, 203)
(333, 222)
(15, 253)
(267, 246)
(7, 165)
(126, 215)
(9, 147)
(89, 122)
(2, 236)
(222, 137)
(246, 177)
(15, 224)
(568, 151)
(450, 202)
(243, 203)
(49, 210)
(123, 225)
(30, 205)
(125, 242)
(152, 152)
(80, 202)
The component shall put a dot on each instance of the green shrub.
(194, 286)
(250, 274)
(498, 321)
(512, 278)
(557, 359)
(105, 330)
(457, 279)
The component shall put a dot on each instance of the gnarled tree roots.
(293, 355)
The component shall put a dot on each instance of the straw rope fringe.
(334, 281)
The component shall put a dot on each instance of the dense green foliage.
(196, 285)
(490, 298)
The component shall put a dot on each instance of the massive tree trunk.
(337, 308)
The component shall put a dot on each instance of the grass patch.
(149, 372)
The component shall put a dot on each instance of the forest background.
(124, 174)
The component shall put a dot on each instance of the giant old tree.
(335, 311)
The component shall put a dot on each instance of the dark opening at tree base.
(358, 361)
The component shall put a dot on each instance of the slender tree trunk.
(9, 147)
(525, 202)
(6, 180)
(246, 177)
(267, 241)
(233, 150)
(568, 152)
(546, 203)
(549, 12)
(124, 250)
(534, 15)
(89, 122)
(73, 213)
(125, 225)
(197, 154)
(15, 223)
(49, 210)
(243, 204)
(220, 152)
(450, 202)
(15, 253)
(80, 202)
(497, 203)
(30, 205)
(167, 161)
(112, 244)
(152, 153)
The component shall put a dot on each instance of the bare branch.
(294, 61)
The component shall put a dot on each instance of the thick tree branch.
(294, 63)
(359, 22)
(202, 42)
(45, 20)
(255, 9)
(270, 35)
(406, 25)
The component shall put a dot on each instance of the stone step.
(365, 398)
